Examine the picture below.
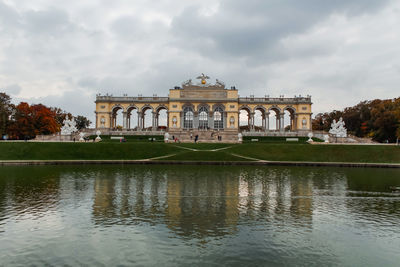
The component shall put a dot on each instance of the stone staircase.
(210, 136)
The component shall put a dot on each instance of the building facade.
(204, 106)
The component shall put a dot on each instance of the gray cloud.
(341, 52)
(255, 28)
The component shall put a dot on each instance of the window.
(203, 118)
(218, 118)
(188, 118)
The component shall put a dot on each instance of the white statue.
(219, 83)
(98, 138)
(69, 127)
(240, 137)
(338, 129)
(166, 137)
(310, 135)
(326, 138)
(187, 83)
(232, 122)
(81, 134)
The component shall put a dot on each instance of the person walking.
(196, 138)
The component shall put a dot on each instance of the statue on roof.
(187, 83)
(219, 83)
(203, 78)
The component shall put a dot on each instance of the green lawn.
(60, 151)
(319, 153)
(146, 150)
(205, 156)
(204, 146)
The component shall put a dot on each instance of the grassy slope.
(319, 153)
(204, 146)
(145, 150)
(58, 151)
(205, 156)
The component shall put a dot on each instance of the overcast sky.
(61, 53)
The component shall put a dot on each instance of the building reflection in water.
(198, 202)
(210, 202)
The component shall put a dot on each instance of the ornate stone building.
(204, 107)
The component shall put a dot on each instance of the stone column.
(266, 122)
(282, 123)
(157, 121)
(182, 119)
(139, 127)
(252, 121)
(153, 121)
(291, 122)
(211, 120)
(97, 126)
(195, 119)
(167, 119)
(225, 120)
(124, 120)
(295, 122)
(111, 120)
(262, 122)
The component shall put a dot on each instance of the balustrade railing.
(275, 100)
(132, 99)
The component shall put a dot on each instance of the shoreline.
(171, 162)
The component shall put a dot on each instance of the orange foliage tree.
(44, 120)
(29, 121)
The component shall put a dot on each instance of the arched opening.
(132, 118)
(161, 118)
(244, 119)
(259, 119)
(218, 118)
(147, 114)
(289, 119)
(203, 118)
(274, 119)
(188, 116)
(117, 118)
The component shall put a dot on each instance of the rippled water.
(199, 215)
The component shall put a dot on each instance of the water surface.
(199, 215)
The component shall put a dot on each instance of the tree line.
(24, 121)
(377, 119)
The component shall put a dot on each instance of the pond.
(199, 215)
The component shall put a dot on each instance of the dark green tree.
(6, 111)
(82, 122)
